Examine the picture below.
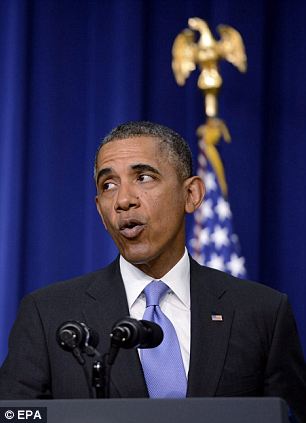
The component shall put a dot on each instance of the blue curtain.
(72, 70)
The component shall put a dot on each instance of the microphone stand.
(109, 359)
(98, 378)
(77, 353)
(99, 373)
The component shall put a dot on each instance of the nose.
(127, 197)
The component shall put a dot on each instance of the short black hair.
(177, 148)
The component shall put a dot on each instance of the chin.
(137, 255)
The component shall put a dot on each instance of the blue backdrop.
(72, 70)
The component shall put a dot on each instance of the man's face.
(141, 201)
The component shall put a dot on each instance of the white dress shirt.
(175, 304)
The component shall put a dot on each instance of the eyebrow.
(142, 167)
(103, 172)
(139, 167)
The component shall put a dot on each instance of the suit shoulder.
(71, 288)
(239, 290)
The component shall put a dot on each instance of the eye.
(145, 178)
(108, 186)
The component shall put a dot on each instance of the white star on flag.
(220, 236)
(216, 262)
(204, 236)
(236, 265)
(210, 181)
(222, 209)
(207, 209)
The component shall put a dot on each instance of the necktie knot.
(154, 292)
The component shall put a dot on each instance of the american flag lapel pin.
(215, 317)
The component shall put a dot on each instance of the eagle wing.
(183, 56)
(231, 47)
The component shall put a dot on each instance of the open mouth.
(131, 228)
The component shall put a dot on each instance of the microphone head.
(132, 333)
(73, 334)
(154, 336)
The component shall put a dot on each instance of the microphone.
(131, 333)
(78, 338)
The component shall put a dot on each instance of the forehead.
(130, 150)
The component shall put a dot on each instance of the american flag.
(214, 242)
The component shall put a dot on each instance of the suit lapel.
(105, 303)
(209, 334)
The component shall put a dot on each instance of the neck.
(158, 267)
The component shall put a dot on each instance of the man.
(236, 338)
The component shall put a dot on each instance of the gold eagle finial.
(206, 52)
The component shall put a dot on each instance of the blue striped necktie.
(163, 366)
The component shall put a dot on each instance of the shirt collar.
(178, 280)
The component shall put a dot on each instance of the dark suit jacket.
(253, 351)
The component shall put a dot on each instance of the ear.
(195, 191)
(99, 209)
